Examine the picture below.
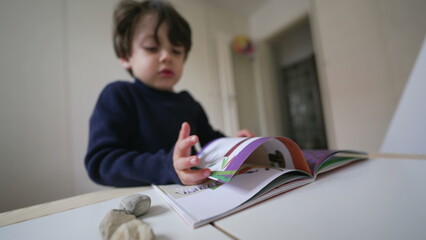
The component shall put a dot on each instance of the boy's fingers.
(182, 160)
(186, 163)
(191, 177)
(183, 147)
(185, 129)
(245, 133)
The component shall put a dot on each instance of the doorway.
(298, 88)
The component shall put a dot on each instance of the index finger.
(185, 129)
(183, 147)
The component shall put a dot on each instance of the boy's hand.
(245, 133)
(183, 161)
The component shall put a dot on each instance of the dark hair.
(126, 17)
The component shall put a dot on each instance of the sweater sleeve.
(109, 159)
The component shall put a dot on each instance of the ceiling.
(240, 7)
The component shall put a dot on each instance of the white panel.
(407, 131)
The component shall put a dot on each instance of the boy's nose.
(165, 56)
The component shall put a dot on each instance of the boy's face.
(157, 64)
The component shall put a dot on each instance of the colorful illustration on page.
(218, 157)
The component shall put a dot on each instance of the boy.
(133, 129)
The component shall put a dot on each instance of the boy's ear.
(125, 63)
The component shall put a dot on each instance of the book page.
(325, 160)
(296, 155)
(190, 201)
(226, 156)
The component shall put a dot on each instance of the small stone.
(112, 221)
(133, 230)
(136, 204)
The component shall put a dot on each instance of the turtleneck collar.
(155, 93)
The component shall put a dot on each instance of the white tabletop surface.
(373, 199)
(83, 223)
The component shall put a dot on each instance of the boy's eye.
(177, 51)
(151, 49)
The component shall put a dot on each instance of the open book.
(246, 171)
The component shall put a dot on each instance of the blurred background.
(326, 73)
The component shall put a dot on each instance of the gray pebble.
(112, 221)
(134, 229)
(136, 204)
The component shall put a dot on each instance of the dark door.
(303, 110)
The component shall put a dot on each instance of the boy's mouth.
(166, 73)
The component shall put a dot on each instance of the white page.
(240, 189)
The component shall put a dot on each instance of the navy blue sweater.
(133, 130)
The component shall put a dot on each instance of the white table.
(83, 223)
(373, 199)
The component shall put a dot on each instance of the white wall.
(56, 56)
(35, 165)
(90, 66)
(245, 90)
(276, 15)
(365, 50)
(294, 45)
